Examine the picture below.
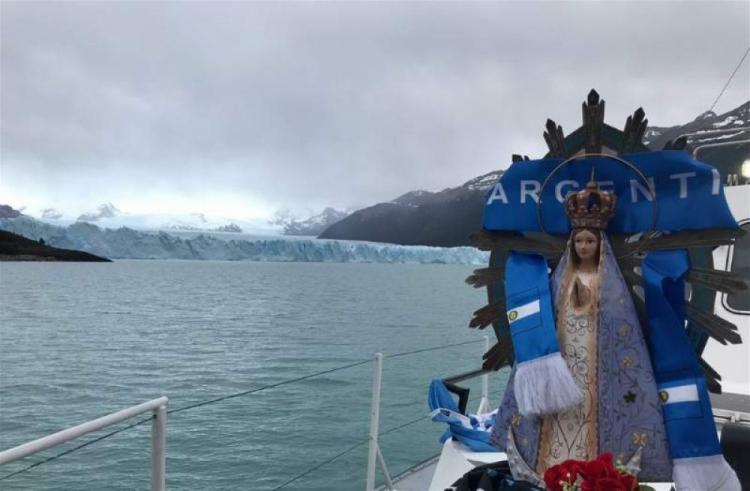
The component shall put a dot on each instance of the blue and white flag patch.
(523, 311)
(679, 393)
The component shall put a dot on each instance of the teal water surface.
(78, 341)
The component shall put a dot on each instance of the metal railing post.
(484, 402)
(386, 474)
(158, 449)
(372, 457)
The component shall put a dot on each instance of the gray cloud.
(344, 104)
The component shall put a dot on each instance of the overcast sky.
(242, 108)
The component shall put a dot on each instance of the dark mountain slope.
(441, 219)
(726, 158)
(15, 247)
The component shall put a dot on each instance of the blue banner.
(686, 405)
(529, 306)
(689, 194)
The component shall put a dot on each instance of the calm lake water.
(78, 341)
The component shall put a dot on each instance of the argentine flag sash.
(542, 383)
(693, 443)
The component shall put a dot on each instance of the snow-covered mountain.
(108, 215)
(414, 198)
(657, 136)
(8, 212)
(311, 226)
(106, 210)
(727, 159)
(483, 182)
(51, 214)
(445, 218)
(421, 197)
(126, 243)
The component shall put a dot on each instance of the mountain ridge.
(447, 218)
(420, 217)
(311, 226)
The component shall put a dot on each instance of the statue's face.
(586, 244)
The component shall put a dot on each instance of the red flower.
(623, 482)
(599, 474)
(629, 481)
(604, 484)
(564, 473)
(602, 466)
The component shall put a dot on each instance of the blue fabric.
(676, 382)
(440, 397)
(476, 438)
(689, 194)
(526, 280)
(681, 410)
(690, 425)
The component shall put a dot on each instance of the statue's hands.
(581, 294)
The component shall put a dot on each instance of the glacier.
(128, 243)
(154, 222)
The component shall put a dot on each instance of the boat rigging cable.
(348, 450)
(730, 79)
(248, 392)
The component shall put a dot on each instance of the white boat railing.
(158, 437)
(484, 402)
(159, 421)
(375, 456)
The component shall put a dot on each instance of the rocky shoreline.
(14, 247)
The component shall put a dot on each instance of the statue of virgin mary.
(601, 342)
(590, 375)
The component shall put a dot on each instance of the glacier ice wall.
(126, 243)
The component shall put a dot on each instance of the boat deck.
(441, 471)
(417, 478)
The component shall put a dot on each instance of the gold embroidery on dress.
(640, 438)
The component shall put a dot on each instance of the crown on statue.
(590, 207)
